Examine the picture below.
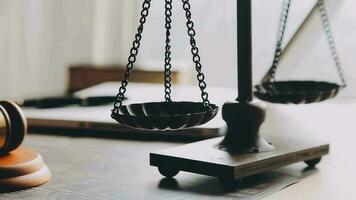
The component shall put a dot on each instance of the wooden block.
(22, 169)
(204, 158)
(20, 162)
(31, 180)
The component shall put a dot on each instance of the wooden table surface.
(104, 168)
(332, 121)
(99, 168)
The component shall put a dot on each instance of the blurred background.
(41, 39)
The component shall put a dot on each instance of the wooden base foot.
(204, 158)
(313, 162)
(168, 171)
(22, 169)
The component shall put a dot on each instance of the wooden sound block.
(22, 169)
(20, 162)
(204, 158)
(37, 178)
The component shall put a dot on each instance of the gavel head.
(13, 127)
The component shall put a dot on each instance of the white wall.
(215, 23)
(39, 39)
(308, 58)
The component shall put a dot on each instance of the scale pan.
(164, 115)
(296, 92)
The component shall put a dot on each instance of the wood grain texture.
(26, 181)
(20, 162)
(16, 126)
(22, 169)
(4, 128)
(204, 158)
(111, 169)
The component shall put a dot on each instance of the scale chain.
(136, 44)
(132, 58)
(195, 52)
(167, 60)
(331, 40)
(280, 36)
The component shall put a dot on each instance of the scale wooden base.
(205, 158)
(22, 169)
(242, 152)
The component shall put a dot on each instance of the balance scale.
(243, 151)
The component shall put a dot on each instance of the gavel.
(13, 127)
(20, 168)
